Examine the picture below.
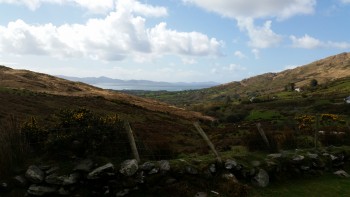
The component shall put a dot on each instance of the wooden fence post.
(132, 141)
(207, 140)
(262, 134)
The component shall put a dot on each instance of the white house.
(347, 100)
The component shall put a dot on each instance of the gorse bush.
(79, 131)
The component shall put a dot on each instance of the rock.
(333, 157)
(261, 179)
(230, 164)
(53, 179)
(34, 174)
(37, 190)
(70, 179)
(191, 170)
(147, 166)
(298, 158)
(84, 165)
(140, 178)
(201, 194)
(129, 167)
(123, 193)
(312, 156)
(154, 171)
(256, 163)
(4, 187)
(275, 156)
(164, 165)
(52, 170)
(212, 168)
(101, 171)
(230, 176)
(20, 181)
(342, 173)
(305, 168)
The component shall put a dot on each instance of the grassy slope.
(322, 186)
(324, 71)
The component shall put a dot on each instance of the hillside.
(46, 84)
(324, 71)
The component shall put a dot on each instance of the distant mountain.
(117, 84)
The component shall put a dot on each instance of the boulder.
(37, 190)
(230, 164)
(84, 165)
(230, 176)
(147, 166)
(261, 179)
(154, 171)
(53, 179)
(101, 171)
(123, 193)
(298, 158)
(164, 165)
(342, 173)
(129, 167)
(191, 170)
(275, 155)
(70, 179)
(34, 174)
(212, 168)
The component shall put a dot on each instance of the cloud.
(345, 1)
(256, 9)
(119, 35)
(256, 53)
(189, 61)
(239, 54)
(308, 42)
(260, 37)
(234, 68)
(96, 6)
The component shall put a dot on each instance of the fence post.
(132, 141)
(207, 140)
(262, 134)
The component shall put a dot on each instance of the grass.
(13, 148)
(323, 186)
(264, 115)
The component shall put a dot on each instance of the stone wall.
(157, 178)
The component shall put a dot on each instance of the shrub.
(13, 147)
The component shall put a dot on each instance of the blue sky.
(173, 40)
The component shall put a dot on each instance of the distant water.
(149, 87)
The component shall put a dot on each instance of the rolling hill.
(24, 80)
(324, 71)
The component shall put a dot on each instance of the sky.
(170, 40)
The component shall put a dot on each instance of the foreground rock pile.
(87, 178)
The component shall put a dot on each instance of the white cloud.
(120, 34)
(256, 53)
(291, 67)
(345, 1)
(260, 37)
(97, 6)
(308, 42)
(100, 6)
(165, 40)
(189, 61)
(256, 9)
(234, 68)
(239, 54)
